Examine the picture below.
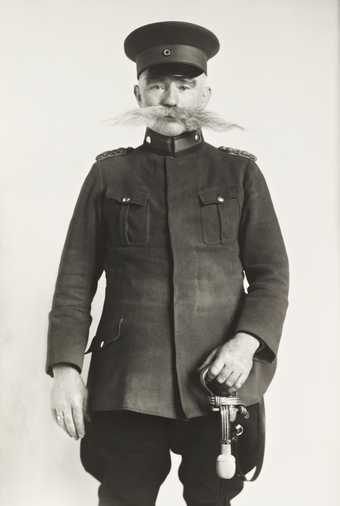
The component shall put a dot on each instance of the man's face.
(172, 91)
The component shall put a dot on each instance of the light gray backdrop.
(63, 73)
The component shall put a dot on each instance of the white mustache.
(190, 118)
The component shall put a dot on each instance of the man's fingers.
(225, 368)
(239, 383)
(232, 378)
(224, 374)
(61, 421)
(78, 420)
(69, 424)
(228, 376)
(215, 368)
(71, 420)
(59, 417)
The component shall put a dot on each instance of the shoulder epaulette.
(239, 152)
(112, 153)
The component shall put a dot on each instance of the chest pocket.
(127, 216)
(219, 214)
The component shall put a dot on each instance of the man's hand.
(231, 363)
(69, 400)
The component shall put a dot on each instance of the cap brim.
(180, 69)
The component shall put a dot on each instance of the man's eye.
(155, 87)
(183, 87)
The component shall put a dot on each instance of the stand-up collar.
(166, 145)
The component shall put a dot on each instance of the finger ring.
(59, 418)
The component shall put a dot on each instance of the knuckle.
(225, 357)
(229, 365)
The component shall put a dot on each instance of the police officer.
(177, 225)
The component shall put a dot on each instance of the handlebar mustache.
(191, 118)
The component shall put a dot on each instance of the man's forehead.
(177, 77)
(153, 74)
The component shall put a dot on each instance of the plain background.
(63, 73)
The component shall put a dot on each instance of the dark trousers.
(129, 454)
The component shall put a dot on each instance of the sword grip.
(226, 463)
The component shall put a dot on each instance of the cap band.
(171, 53)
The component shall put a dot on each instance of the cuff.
(263, 352)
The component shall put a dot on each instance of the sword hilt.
(224, 401)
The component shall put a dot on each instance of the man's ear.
(206, 94)
(137, 94)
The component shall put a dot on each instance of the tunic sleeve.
(265, 264)
(80, 268)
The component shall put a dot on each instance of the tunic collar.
(166, 145)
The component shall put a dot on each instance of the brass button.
(126, 199)
(148, 139)
(197, 137)
(166, 52)
(102, 344)
(220, 199)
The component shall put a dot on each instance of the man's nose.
(170, 96)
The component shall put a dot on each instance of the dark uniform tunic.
(176, 224)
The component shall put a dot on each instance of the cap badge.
(166, 52)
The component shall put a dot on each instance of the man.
(177, 225)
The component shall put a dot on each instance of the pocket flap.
(128, 197)
(217, 195)
(107, 332)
